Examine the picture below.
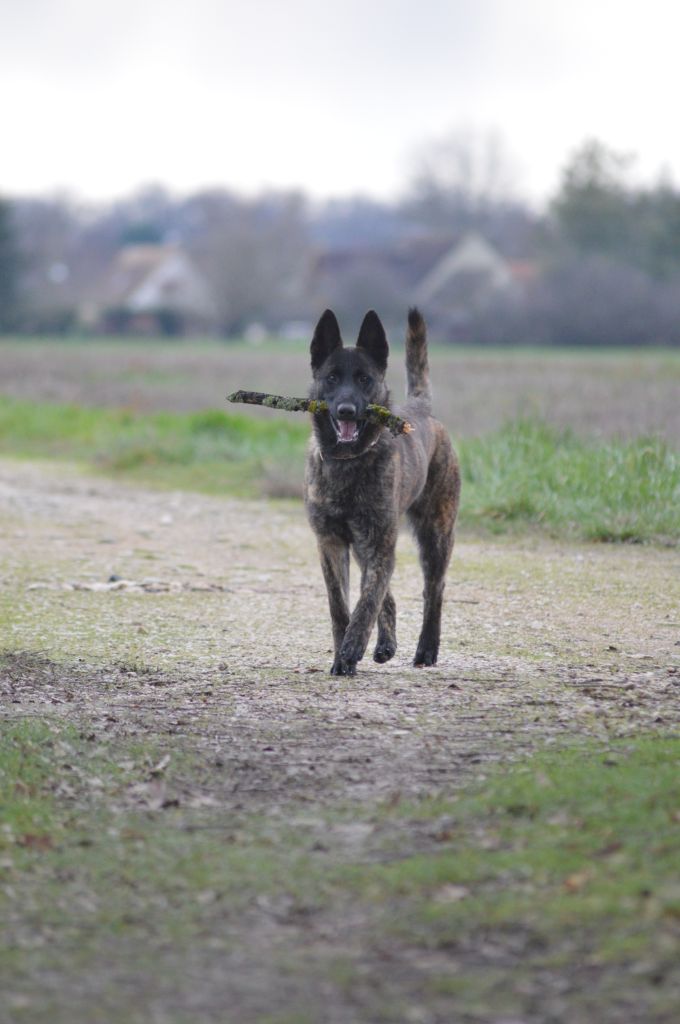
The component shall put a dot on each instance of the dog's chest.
(348, 490)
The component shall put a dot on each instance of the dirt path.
(216, 618)
(539, 637)
(202, 623)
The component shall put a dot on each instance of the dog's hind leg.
(386, 646)
(435, 551)
(433, 519)
(334, 555)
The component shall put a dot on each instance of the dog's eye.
(332, 378)
(364, 380)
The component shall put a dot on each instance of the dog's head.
(348, 379)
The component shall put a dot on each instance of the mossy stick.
(375, 413)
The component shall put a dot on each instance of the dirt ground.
(203, 623)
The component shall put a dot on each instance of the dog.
(359, 480)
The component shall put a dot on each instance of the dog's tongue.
(347, 430)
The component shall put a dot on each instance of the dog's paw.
(342, 667)
(347, 658)
(425, 657)
(384, 651)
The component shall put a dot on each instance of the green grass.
(25, 765)
(570, 857)
(527, 475)
(212, 451)
(530, 474)
(61, 797)
(580, 840)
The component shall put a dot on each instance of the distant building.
(472, 269)
(154, 289)
(454, 281)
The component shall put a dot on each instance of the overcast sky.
(332, 96)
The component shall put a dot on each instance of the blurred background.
(231, 168)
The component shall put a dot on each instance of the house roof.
(408, 260)
(429, 265)
(147, 277)
(472, 255)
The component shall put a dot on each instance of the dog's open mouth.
(347, 430)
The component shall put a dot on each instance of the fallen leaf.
(606, 851)
(575, 882)
(444, 835)
(34, 841)
(159, 768)
(451, 893)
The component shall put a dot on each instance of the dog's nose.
(347, 411)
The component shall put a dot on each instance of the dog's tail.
(417, 369)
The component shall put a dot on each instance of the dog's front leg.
(334, 555)
(377, 565)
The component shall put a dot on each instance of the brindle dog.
(359, 479)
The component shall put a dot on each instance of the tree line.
(600, 265)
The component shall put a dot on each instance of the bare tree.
(256, 256)
(461, 177)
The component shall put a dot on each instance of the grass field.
(597, 393)
(527, 475)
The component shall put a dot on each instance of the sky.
(335, 97)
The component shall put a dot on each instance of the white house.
(147, 282)
(471, 264)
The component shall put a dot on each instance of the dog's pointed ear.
(326, 339)
(373, 340)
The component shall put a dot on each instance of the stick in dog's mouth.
(374, 413)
